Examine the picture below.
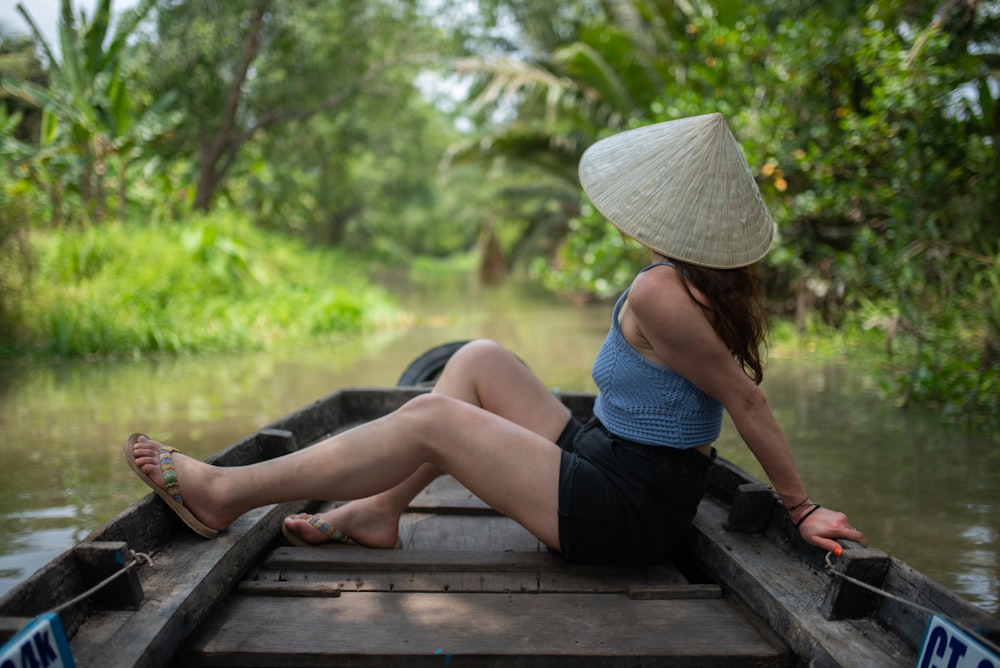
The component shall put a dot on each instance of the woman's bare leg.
(481, 373)
(512, 464)
(372, 521)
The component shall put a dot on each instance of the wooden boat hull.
(472, 585)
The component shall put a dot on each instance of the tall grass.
(213, 283)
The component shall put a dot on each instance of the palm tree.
(575, 72)
(88, 117)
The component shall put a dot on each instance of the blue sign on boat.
(40, 644)
(947, 646)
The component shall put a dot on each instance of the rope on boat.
(899, 599)
(137, 558)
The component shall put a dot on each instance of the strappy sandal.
(335, 536)
(172, 494)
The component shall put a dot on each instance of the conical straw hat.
(683, 189)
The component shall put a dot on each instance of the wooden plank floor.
(471, 588)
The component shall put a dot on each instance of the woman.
(684, 344)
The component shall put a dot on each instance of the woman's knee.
(426, 413)
(479, 349)
(435, 421)
(480, 355)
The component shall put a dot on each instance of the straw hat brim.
(683, 189)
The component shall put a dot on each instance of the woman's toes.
(300, 526)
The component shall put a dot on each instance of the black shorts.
(622, 502)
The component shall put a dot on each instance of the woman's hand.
(823, 526)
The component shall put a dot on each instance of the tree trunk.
(122, 190)
(211, 149)
(492, 264)
(100, 168)
(86, 185)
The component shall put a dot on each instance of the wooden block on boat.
(275, 442)
(846, 600)
(751, 509)
(101, 559)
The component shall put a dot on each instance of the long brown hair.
(735, 309)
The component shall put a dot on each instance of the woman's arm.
(663, 323)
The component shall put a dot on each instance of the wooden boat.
(471, 587)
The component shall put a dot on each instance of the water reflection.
(924, 492)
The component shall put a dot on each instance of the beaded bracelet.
(812, 510)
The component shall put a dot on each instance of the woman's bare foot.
(199, 483)
(364, 524)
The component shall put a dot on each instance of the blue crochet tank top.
(647, 403)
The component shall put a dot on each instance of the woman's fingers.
(823, 527)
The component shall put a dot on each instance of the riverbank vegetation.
(215, 284)
(184, 176)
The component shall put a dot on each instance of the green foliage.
(305, 113)
(90, 124)
(217, 284)
(947, 356)
(19, 62)
(15, 268)
(591, 263)
(16, 208)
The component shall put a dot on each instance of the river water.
(926, 492)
